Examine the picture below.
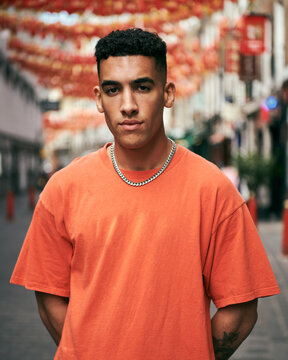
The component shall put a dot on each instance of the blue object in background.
(271, 102)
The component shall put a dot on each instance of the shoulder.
(81, 164)
(72, 179)
(203, 170)
(78, 167)
(190, 158)
(215, 190)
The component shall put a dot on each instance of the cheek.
(155, 107)
(111, 105)
(109, 109)
(154, 103)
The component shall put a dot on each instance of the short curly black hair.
(132, 41)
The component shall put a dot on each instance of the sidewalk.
(269, 338)
(22, 335)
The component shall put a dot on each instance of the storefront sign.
(253, 35)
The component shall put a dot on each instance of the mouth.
(131, 124)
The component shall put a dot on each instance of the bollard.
(252, 206)
(285, 229)
(32, 197)
(10, 205)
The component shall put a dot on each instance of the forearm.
(230, 327)
(52, 310)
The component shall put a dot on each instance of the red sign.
(253, 35)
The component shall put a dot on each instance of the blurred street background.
(229, 61)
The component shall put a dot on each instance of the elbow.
(242, 316)
(254, 314)
(42, 309)
(52, 310)
(250, 316)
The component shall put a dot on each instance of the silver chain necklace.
(155, 176)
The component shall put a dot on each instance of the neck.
(147, 157)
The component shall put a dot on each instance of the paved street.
(22, 335)
(269, 339)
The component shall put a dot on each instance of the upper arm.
(50, 301)
(52, 310)
(237, 268)
(51, 306)
(44, 263)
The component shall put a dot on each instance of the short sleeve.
(44, 261)
(237, 268)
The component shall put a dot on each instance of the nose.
(129, 105)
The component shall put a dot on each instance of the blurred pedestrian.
(129, 244)
(278, 131)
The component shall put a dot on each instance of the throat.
(137, 160)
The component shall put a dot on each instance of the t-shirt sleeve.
(237, 268)
(44, 261)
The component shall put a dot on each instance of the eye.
(111, 91)
(143, 88)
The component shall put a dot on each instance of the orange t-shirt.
(141, 264)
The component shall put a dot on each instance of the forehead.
(128, 68)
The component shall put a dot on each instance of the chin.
(132, 144)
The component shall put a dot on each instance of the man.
(278, 131)
(129, 244)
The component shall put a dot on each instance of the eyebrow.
(136, 81)
(142, 80)
(109, 82)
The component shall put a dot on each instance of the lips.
(131, 124)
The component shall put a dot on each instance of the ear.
(98, 97)
(169, 94)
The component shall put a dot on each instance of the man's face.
(132, 95)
